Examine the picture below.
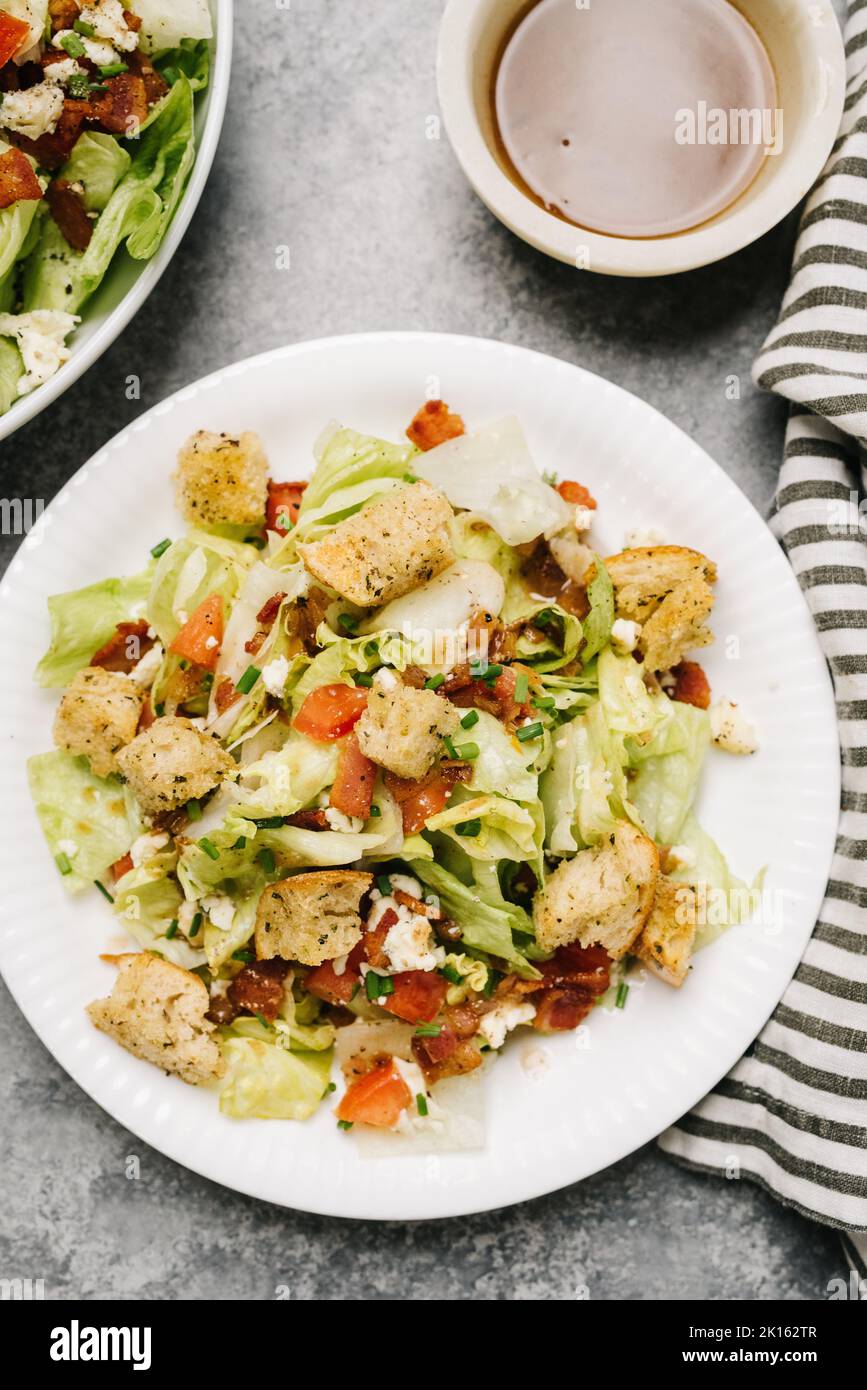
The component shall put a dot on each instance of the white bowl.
(128, 283)
(803, 40)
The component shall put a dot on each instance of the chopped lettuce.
(596, 627)
(723, 900)
(11, 371)
(189, 571)
(486, 919)
(167, 23)
(667, 769)
(491, 827)
(352, 469)
(628, 706)
(503, 765)
(98, 162)
(88, 821)
(577, 786)
(336, 664)
(147, 899)
(284, 780)
(83, 620)
(268, 1082)
(191, 57)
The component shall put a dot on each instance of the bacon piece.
(154, 85)
(546, 579)
(50, 151)
(313, 819)
(373, 940)
(259, 988)
(132, 21)
(265, 621)
(560, 1010)
(18, 181)
(225, 695)
(691, 685)
(496, 697)
(124, 107)
(462, 1019)
(221, 1010)
(121, 866)
(585, 968)
(418, 801)
(445, 1055)
(125, 648)
(433, 424)
(305, 615)
(67, 208)
(419, 908)
(147, 716)
(63, 14)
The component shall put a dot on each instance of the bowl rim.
(633, 256)
(27, 407)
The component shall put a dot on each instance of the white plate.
(128, 283)
(629, 1073)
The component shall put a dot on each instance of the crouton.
(644, 575)
(157, 1012)
(433, 424)
(173, 762)
(396, 543)
(665, 944)
(311, 917)
(222, 480)
(602, 897)
(402, 729)
(677, 625)
(98, 714)
(730, 729)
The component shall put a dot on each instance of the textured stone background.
(324, 150)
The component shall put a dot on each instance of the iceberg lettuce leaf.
(95, 814)
(668, 769)
(83, 620)
(268, 1082)
(486, 926)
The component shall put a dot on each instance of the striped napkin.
(792, 1115)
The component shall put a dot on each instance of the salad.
(386, 765)
(96, 145)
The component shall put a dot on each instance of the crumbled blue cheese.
(681, 857)
(640, 537)
(348, 825)
(502, 1019)
(61, 71)
(730, 729)
(40, 336)
(274, 675)
(625, 635)
(386, 679)
(67, 847)
(408, 943)
(34, 112)
(220, 910)
(583, 519)
(100, 53)
(144, 672)
(146, 846)
(186, 913)
(106, 19)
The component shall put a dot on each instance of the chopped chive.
(428, 1030)
(530, 731)
(194, 809)
(469, 829)
(331, 1086)
(195, 925)
(81, 26)
(434, 682)
(383, 883)
(258, 541)
(209, 847)
(470, 718)
(72, 45)
(410, 478)
(347, 622)
(490, 983)
(345, 1124)
(622, 992)
(268, 822)
(248, 680)
(263, 1020)
(522, 689)
(363, 678)
(159, 710)
(113, 69)
(543, 702)
(103, 890)
(63, 864)
(171, 929)
(160, 549)
(371, 985)
(240, 843)
(492, 672)
(450, 747)
(421, 1103)
(78, 86)
(386, 985)
(372, 649)
(98, 89)
(453, 976)
(265, 857)
(467, 751)
(242, 955)
(375, 811)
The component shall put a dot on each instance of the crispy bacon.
(415, 905)
(18, 179)
(494, 697)
(67, 208)
(221, 1010)
(121, 866)
(576, 494)
(225, 695)
(445, 1055)
(264, 622)
(141, 65)
(586, 968)
(63, 14)
(560, 1010)
(313, 819)
(305, 616)
(125, 648)
(147, 716)
(418, 801)
(462, 1019)
(259, 988)
(132, 21)
(374, 941)
(691, 685)
(433, 424)
(124, 107)
(547, 580)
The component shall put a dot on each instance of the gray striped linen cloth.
(792, 1115)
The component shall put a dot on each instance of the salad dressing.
(610, 113)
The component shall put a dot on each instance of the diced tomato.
(331, 712)
(433, 424)
(201, 636)
(691, 685)
(576, 494)
(352, 790)
(121, 866)
(418, 995)
(418, 801)
(284, 503)
(326, 984)
(377, 1098)
(13, 33)
(18, 181)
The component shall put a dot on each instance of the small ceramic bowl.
(803, 40)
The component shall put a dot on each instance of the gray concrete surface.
(324, 149)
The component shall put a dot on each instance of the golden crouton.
(665, 944)
(643, 576)
(222, 480)
(402, 729)
(98, 714)
(601, 897)
(396, 543)
(678, 625)
(311, 917)
(157, 1012)
(173, 762)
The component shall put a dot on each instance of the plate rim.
(455, 1204)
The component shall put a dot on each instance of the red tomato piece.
(13, 33)
(331, 712)
(18, 179)
(418, 995)
(352, 791)
(284, 504)
(418, 801)
(377, 1098)
(576, 494)
(201, 636)
(326, 984)
(691, 685)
